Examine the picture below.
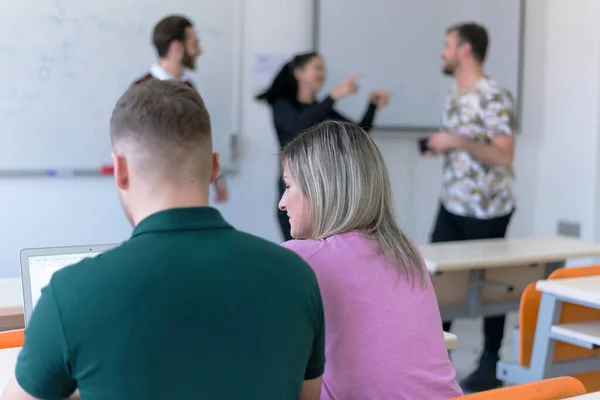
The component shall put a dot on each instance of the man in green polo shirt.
(188, 307)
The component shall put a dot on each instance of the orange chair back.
(12, 339)
(528, 314)
(563, 387)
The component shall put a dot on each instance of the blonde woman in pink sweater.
(384, 337)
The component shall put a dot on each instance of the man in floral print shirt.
(477, 143)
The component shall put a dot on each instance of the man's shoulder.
(273, 256)
(492, 90)
(245, 247)
(148, 76)
(88, 269)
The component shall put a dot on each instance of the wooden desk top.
(586, 289)
(498, 253)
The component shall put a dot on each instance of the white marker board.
(66, 62)
(396, 46)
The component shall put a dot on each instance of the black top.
(293, 117)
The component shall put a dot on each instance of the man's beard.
(188, 62)
(448, 69)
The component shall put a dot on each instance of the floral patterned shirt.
(471, 188)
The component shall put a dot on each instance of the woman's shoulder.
(331, 246)
(305, 248)
(284, 102)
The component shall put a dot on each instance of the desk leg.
(551, 267)
(474, 292)
(543, 345)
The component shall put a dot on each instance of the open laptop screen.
(41, 269)
(38, 265)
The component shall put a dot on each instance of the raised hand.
(380, 98)
(442, 142)
(347, 87)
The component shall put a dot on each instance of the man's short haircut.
(475, 35)
(167, 30)
(166, 122)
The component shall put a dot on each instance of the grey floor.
(470, 342)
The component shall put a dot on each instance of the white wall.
(557, 153)
(568, 148)
(47, 212)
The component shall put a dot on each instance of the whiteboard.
(66, 62)
(396, 46)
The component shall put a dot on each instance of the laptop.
(38, 265)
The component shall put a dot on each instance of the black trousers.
(284, 222)
(449, 228)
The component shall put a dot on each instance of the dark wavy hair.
(285, 84)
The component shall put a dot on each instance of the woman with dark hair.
(292, 97)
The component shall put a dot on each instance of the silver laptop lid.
(38, 265)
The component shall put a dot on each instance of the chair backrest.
(528, 314)
(12, 339)
(563, 387)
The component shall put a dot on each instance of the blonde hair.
(341, 171)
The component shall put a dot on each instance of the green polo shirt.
(187, 308)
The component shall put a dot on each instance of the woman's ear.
(297, 73)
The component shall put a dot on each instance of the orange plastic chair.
(528, 314)
(12, 339)
(563, 387)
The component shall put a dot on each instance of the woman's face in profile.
(297, 207)
(312, 74)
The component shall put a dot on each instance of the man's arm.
(500, 150)
(313, 377)
(14, 391)
(498, 116)
(311, 389)
(42, 370)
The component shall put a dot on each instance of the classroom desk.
(487, 277)
(584, 291)
(11, 304)
(451, 340)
